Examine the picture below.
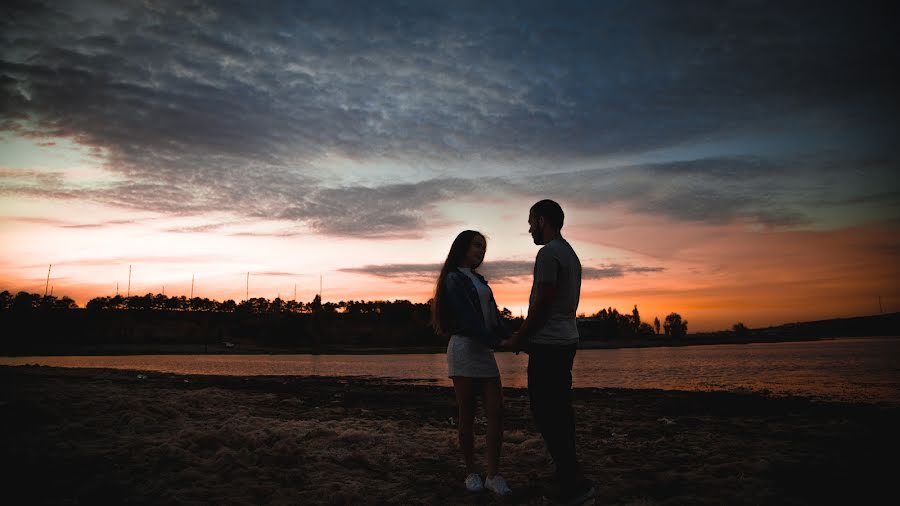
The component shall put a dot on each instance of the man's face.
(536, 228)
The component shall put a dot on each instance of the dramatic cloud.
(389, 210)
(133, 260)
(276, 274)
(71, 225)
(213, 106)
(616, 271)
(495, 271)
(209, 227)
(786, 191)
(781, 192)
(397, 270)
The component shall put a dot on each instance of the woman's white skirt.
(469, 358)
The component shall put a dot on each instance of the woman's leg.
(493, 407)
(465, 400)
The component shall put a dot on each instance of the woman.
(464, 309)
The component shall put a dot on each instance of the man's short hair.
(551, 211)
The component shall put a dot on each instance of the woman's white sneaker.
(497, 485)
(474, 483)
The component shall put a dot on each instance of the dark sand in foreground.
(77, 436)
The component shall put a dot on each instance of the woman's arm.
(470, 322)
(502, 331)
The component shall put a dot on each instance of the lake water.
(859, 369)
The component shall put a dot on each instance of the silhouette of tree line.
(607, 323)
(24, 301)
(256, 305)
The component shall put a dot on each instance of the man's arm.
(538, 314)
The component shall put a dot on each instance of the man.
(549, 335)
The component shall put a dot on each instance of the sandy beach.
(86, 436)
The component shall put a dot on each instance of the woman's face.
(476, 251)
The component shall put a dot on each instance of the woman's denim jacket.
(467, 317)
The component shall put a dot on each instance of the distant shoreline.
(138, 332)
(253, 349)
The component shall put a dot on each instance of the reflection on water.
(843, 369)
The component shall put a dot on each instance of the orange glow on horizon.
(714, 276)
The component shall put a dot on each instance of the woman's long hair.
(440, 318)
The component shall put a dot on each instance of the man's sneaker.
(497, 485)
(583, 493)
(474, 483)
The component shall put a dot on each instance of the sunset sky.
(727, 162)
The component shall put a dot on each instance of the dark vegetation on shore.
(88, 436)
(151, 323)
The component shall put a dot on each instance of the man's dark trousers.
(550, 394)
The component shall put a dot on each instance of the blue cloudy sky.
(389, 125)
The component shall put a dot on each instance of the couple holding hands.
(464, 309)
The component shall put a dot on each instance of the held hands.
(512, 343)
